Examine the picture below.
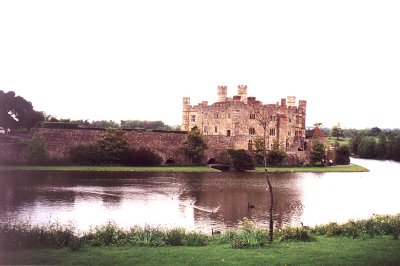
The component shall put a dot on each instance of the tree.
(367, 147)
(317, 156)
(36, 150)
(194, 146)
(342, 155)
(17, 112)
(337, 131)
(112, 146)
(144, 124)
(105, 124)
(275, 156)
(263, 118)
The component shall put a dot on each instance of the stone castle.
(242, 119)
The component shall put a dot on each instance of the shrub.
(241, 160)
(295, 233)
(249, 235)
(85, 154)
(276, 156)
(175, 237)
(36, 150)
(141, 157)
(196, 239)
(342, 155)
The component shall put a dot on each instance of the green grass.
(111, 168)
(323, 251)
(330, 141)
(336, 168)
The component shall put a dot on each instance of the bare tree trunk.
(271, 220)
(271, 205)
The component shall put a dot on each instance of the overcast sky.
(120, 60)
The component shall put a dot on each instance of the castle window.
(289, 133)
(228, 133)
(252, 116)
(216, 116)
(205, 130)
(250, 145)
(193, 118)
(290, 120)
(272, 132)
(216, 129)
(252, 131)
(273, 118)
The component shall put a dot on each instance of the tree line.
(18, 113)
(376, 143)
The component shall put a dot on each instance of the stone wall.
(166, 144)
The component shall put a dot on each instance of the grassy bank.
(323, 251)
(338, 168)
(111, 168)
(373, 241)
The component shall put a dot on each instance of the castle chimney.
(242, 92)
(222, 91)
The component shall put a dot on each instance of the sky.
(129, 60)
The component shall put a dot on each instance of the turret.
(222, 92)
(185, 114)
(242, 92)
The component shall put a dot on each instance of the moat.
(198, 201)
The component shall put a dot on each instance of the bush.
(85, 154)
(342, 155)
(241, 160)
(295, 233)
(141, 157)
(36, 150)
(276, 156)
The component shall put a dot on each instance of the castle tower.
(291, 100)
(185, 113)
(242, 92)
(222, 92)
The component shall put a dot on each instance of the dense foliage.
(16, 112)
(25, 235)
(275, 156)
(112, 148)
(36, 150)
(376, 143)
(342, 155)
(317, 155)
(194, 146)
(241, 160)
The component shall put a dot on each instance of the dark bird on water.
(250, 206)
(216, 232)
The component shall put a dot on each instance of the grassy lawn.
(111, 168)
(330, 141)
(323, 251)
(336, 168)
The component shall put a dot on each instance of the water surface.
(198, 201)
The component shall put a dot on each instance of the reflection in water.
(197, 200)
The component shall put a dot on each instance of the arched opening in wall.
(170, 161)
(212, 161)
(228, 133)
